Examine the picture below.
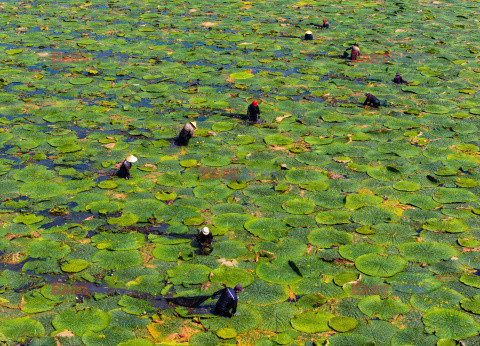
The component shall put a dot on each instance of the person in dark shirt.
(228, 301)
(124, 171)
(325, 24)
(187, 133)
(253, 111)
(205, 238)
(399, 80)
(355, 52)
(371, 101)
(308, 36)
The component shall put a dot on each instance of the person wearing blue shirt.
(227, 301)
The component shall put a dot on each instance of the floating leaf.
(79, 322)
(312, 322)
(450, 324)
(380, 265)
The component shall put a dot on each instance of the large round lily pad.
(380, 265)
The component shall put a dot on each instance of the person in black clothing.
(124, 171)
(253, 111)
(187, 133)
(308, 36)
(399, 80)
(325, 24)
(228, 301)
(205, 238)
(371, 101)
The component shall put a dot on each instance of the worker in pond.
(124, 171)
(253, 111)
(325, 25)
(228, 301)
(399, 80)
(355, 54)
(187, 133)
(308, 36)
(205, 238)
(371, 101)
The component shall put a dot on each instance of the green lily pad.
(328, 236)
(385, 308)
(380, 265)
(333, 217)
(299, 206)
(425, 252)
(226, 333)
(267, 228)
(80, 322)
(279, 272)
(312, 322)
(117, 259)
(75, 266)
(21, 328)
(450, 324)
(342, 324)
(118, 241)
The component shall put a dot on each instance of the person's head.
(131, 159)
(366, 94)
(205, 231)
(308, 32)
(193, 123)
(356, 44)
(254, 103)
(324, 21)
(238, 288)
(398, 74)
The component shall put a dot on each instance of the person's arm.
(218, 293)
(366, 102)
(349, 48)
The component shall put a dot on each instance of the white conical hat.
(205, 230)
(194, 123)
(308, 32)
(131, 159)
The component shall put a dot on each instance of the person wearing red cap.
(228, 301)
(325, 24)
(253, 111)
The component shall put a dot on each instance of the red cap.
(254, 103)
(324, 20)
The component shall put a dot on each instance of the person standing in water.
(187, 133)
(124, 171)
(253, 111)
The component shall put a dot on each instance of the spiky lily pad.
(333, 217)
(454, 195)
(440, 298)
(187, 273)
(406, 186)
(414, 282)
(117, 259)
(21, 328)
(304, 176)
(328, 236)
(470, 280)
(380, 265)
(232, 276)
(353, 251)
(48, 248)
(267, 228)
(264, 293)
(45, 190)
(386, 308)
(113, 334)
(449, 225)
(279, 271)
(298, 206)
(75, 265)
(312, 322)
(277, 317)
(37, 303)
(173, 252)
(28, 219)
(118, 241)
(342, 324)
(427, 252)
(450, 324)
(279, 140)
(472, 305)
(127, 219)
(79, 322)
